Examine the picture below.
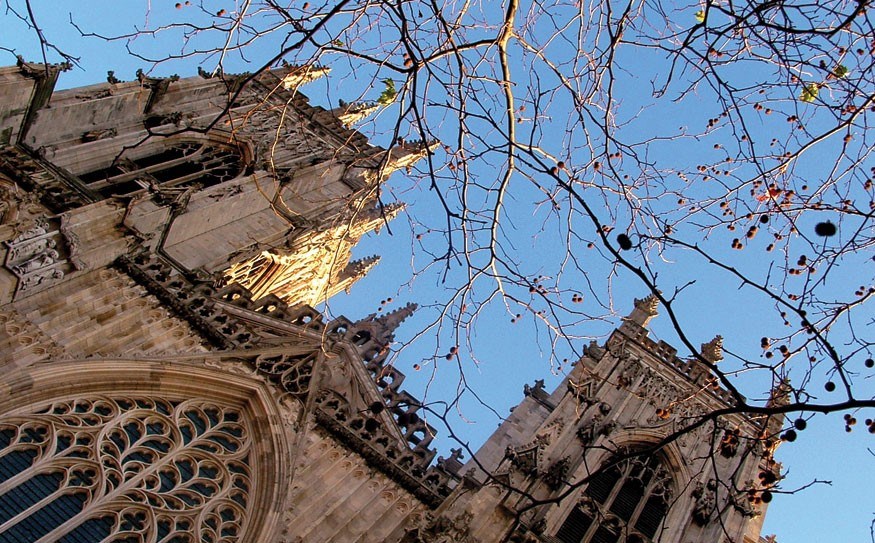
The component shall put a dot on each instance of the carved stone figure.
(40, 260)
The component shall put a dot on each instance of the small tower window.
(181, 165)
(626, 502)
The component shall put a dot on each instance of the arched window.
(125, 468)
(624, 503)
(182, 164)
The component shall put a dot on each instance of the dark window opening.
(180, 166)
(629, 499)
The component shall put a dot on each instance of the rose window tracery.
(132, 469)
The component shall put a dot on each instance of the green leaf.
(700, 16)
(389, 93)
(809, 93)
(840, 71)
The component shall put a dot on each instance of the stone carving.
(277, 132)
(729, 443)
(529, 457)
(42, 259)
(38, 255)
(95, 135)
(533, 390)
(444, 530)
(198, 452)
(293, 373)
(656, 390)
(556, 474)
(713, 350)
(583, 391)
(594, 350)
(594, 428)
(705, 501)
(630, 371)
(453, 464)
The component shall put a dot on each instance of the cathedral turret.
(644, 311)
(606, 456)
(713, 350)
(350, 114)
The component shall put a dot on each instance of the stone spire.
(383, 328)
(360, 267)
(293, 76)
(713, 350)
(373, 218)
(407, 153)
(356, 270)
(780, 394)
(645, 310)
(349, 114)
(778, 397)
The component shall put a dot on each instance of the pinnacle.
(383, 327)
(713, 350)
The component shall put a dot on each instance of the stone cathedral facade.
(164, 377)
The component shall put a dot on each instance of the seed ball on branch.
(829, 386)
(789, 436)
(825, 229)
(869, 363)
(766, 496)
(624, 242)
(800, 423)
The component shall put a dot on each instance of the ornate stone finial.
(357, 269)
(645, 309)
(371, 218)
(780, 394)
(406, 153)
(713, 350)
(383, 328)
(349, 114)
(294, 76)
(649, 304)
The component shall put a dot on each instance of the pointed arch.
(631, 501)
(147, 451)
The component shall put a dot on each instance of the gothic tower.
(163, 375)
(165, 378)
(628, 448)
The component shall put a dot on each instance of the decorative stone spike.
(373, 218)
(645, 310)
(780, 394)
(349, 114)
(407, 153)
(357, 269)
(713, 350)
(293, 76)
(383, 328)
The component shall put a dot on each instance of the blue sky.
(505, 355)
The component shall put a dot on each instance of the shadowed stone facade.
(165, 378)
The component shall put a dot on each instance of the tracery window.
(125, 469)
(180, 165)
(624, 503)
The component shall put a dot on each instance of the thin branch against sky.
(713, 139)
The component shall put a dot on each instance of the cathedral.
(164, 377)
